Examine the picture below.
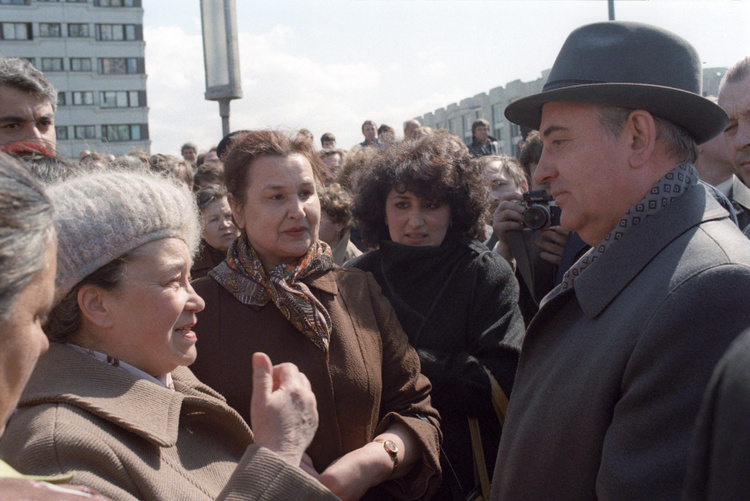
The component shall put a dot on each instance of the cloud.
(280, 89)
(178, 111)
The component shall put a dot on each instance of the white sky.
(330, 65)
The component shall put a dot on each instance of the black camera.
(541, 211)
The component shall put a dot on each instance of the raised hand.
(283, 409)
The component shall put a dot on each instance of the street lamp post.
(221, 55)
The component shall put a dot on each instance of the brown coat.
(131, 439)
(372, 379)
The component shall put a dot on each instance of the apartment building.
(458, 117)
(94, 54)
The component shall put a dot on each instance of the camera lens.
(536, 217)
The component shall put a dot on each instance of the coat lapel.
(608, 276)
(64, 375)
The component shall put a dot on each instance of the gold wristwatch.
(392, 449)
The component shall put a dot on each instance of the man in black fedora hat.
(614, 365)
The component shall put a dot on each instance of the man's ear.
(236, 208)
(93, 302)
(641, 129)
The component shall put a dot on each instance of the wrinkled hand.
(552, 244)
(283, 409)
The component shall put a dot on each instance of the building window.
(77, 1)
(124, 132)
(497, 113)
(119, 32)
(122, 99)
(51, 30)
(82, 98)
(467, 124)
(80, 64)
(61, 98)
(52, 64)
(14, 2)
(16, 31)
(452, 125)
(498, 133)
(61, 132)
(78, 30)
(117, 3)
(121, 65)
(85, 131)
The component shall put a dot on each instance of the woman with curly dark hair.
(423, 204)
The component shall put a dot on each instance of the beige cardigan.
(131, 439)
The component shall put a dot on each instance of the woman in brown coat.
(279, 292)
(112, 398)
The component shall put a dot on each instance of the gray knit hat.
(101, 216)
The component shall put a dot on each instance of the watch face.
(390, 446)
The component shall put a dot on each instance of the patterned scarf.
(671, 186)
(242, 274)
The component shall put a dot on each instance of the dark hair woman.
(279, 292)
(423, 204)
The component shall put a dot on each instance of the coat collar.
(740, 193)
(64, 375)
(608, 276)
(325, 281)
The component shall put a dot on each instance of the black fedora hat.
(632, 65)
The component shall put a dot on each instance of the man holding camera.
(614, 365)
(535, 247)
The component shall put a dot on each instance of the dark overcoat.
(612, 372)
(720, 459)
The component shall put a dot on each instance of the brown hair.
(174, 166)
(507, 164)
(336, 204)
(249, 146)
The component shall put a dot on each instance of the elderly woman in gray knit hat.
(112, 398)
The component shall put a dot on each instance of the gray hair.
(26, 229)
(20, 74)
(736, 73)
(680, 144)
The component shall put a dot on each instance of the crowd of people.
(413, 318)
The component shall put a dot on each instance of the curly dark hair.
(437, 167)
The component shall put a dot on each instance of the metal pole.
(224, 112)
(611, 9)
